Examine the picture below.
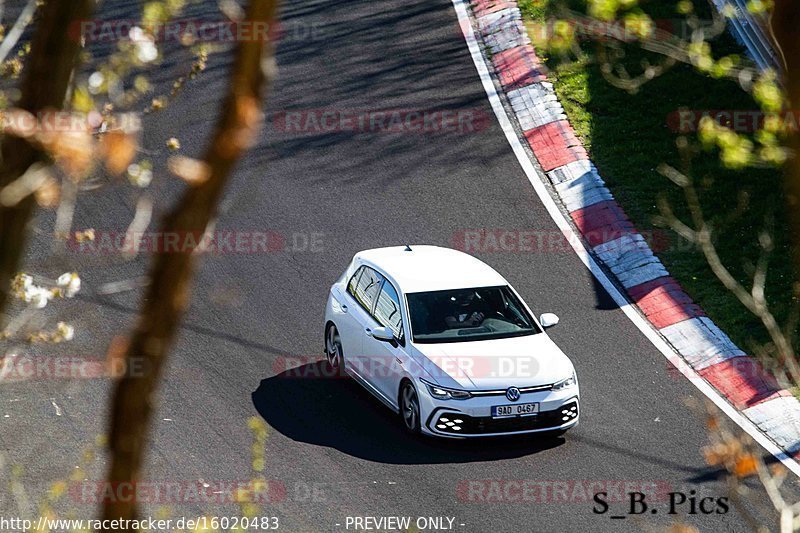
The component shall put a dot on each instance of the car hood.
(527, 361)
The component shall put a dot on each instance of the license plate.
(517, 409)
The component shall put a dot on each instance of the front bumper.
(558, 410)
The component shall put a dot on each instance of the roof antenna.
(408, 249)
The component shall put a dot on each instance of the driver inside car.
(465, 311)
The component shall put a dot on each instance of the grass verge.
(628, 136)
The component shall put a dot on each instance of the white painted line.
(577, 245)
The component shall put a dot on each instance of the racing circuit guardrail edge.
(751, 31)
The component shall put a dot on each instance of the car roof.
(430, 268)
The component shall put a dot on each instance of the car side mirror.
(548, 320)
(383, 334)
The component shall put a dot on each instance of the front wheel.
(409, 408)
(333, 349)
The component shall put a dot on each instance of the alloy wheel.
(333, 348)
(410, 408)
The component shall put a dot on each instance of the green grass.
(628, 138)
(533, 9)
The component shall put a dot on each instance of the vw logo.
(512, 394)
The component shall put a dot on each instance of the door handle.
(344, 308)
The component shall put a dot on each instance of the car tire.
(333, 350)
(409, 408)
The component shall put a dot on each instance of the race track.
(337, 451)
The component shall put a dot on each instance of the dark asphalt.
(337, 452)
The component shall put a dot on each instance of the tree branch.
(48, 69)
(753, 299)
(169, 291)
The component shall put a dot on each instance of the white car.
(442, 339)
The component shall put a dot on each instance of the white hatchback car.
(442, 339)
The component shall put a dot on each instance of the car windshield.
(468, 314)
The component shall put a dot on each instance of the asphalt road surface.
(332, 451)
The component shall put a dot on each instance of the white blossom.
(96, 82)
(139, 176)
(71, 283)
(26, 281)
(37, 296)
(146, 50)
(65, 331)
(145, 177)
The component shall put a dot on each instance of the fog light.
(450, 424)
(570, 413)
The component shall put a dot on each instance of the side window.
(351, 287)
(387, 311)
(366, 288)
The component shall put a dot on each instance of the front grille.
(461, 424)
(522, 390)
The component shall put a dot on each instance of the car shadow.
(309, 404)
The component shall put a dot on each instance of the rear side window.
(387, 310)
(365, 289)
(351, 287)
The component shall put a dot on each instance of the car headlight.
(564, 383)
(443, 393)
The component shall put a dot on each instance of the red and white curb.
(736, 382)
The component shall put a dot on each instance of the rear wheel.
(409, 408)
(333, 348)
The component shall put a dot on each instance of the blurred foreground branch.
(785, 19)
(168, 294)
(48, 71)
